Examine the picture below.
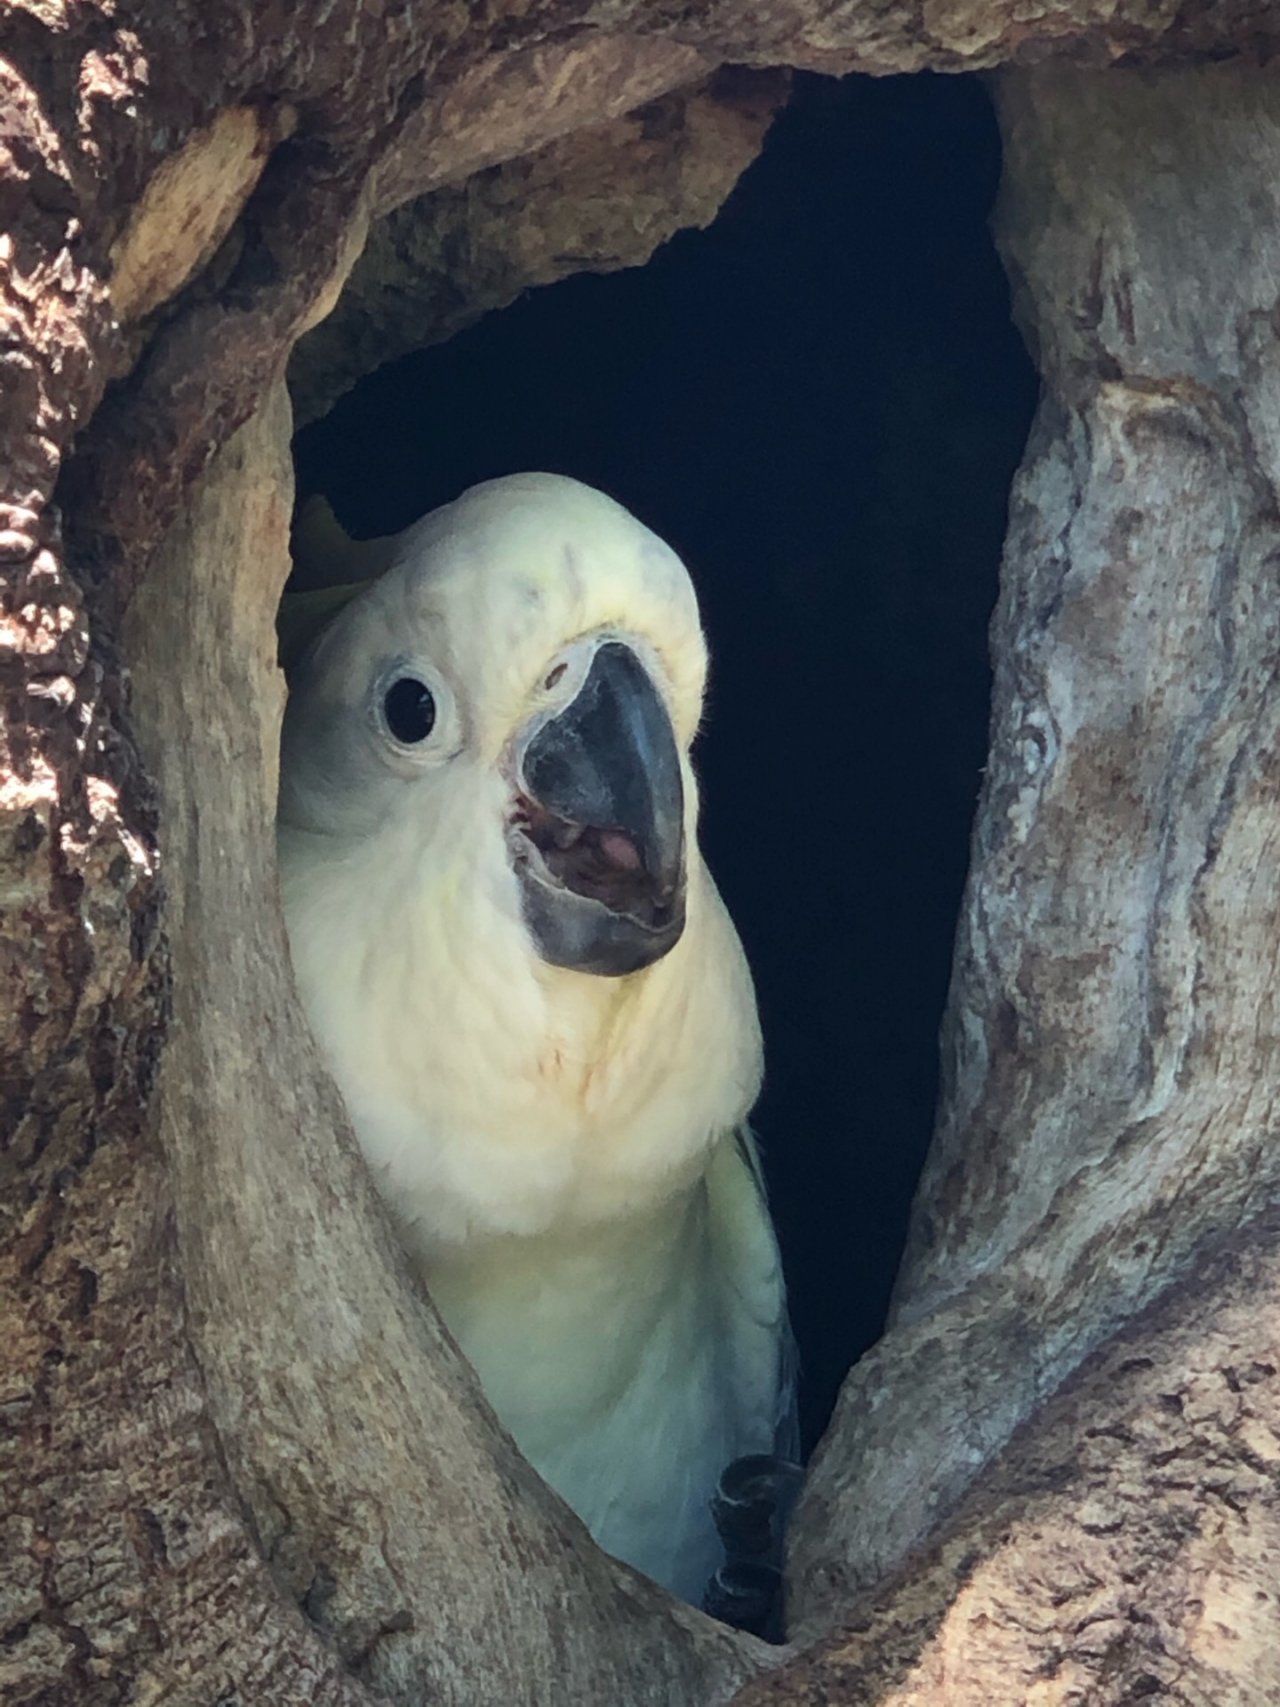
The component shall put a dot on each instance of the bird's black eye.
(410, 710)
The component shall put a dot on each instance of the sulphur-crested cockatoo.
(533, 999)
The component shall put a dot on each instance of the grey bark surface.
(239, 1461)
(1110, 1047)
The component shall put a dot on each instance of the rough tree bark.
(1123, 1548)
(601, 197)
(1110, 1049)
(240, 1460)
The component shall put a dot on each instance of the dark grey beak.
(600, 819)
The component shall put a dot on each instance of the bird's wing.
(761, 1349)
(757, 1488)
(302, 616)
(330, 569)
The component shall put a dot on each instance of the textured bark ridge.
(1110, 1048)
(597, 199)
(239, 1460)
(1124, 1548)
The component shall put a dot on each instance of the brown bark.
(240, 1460)
(132, 1567)
(1124, 1547)
(602, 197)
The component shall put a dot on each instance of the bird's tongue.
(617, 848)
(604, 863)
(583, 856)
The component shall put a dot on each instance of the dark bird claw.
(751, 1506)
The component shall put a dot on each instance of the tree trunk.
(241, 1460)
(1110, 1053)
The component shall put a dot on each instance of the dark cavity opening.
(820, 402)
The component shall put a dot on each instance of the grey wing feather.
(787, 1431)
(763, 1348)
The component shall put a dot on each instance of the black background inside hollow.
(820, 402)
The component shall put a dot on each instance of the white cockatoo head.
(523, 683)
(499, 917)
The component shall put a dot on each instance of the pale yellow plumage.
(557, 1148)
